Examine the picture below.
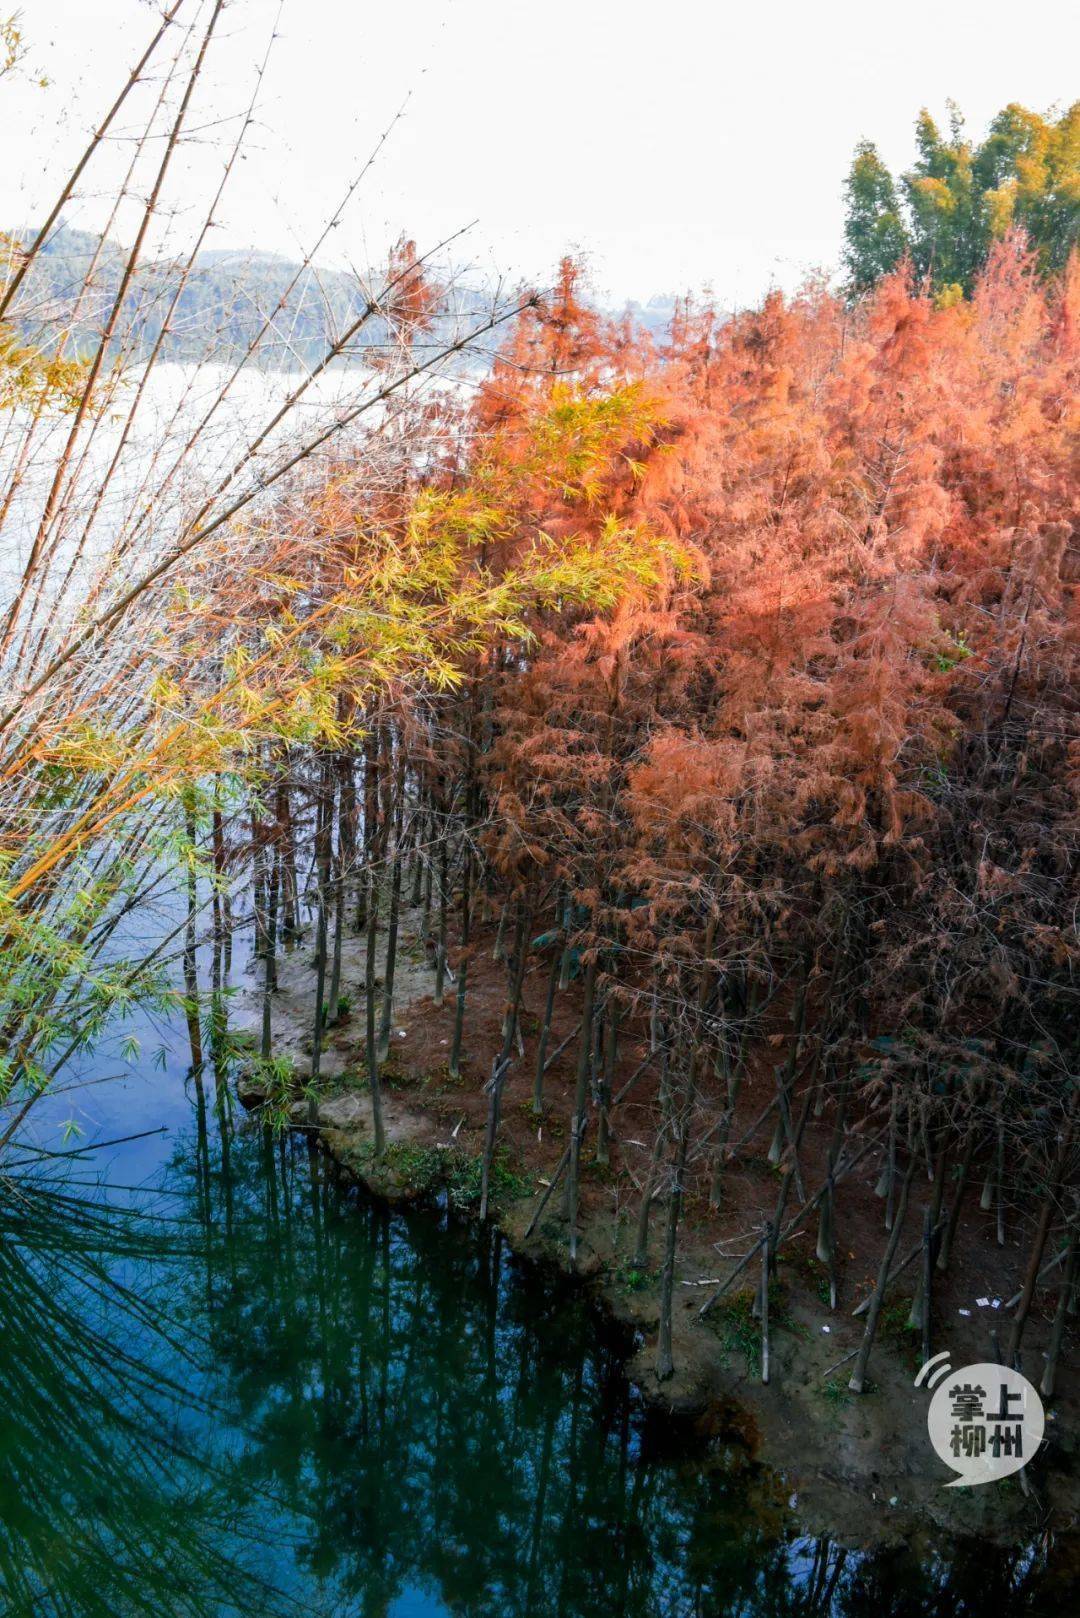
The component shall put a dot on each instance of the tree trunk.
(290, 887)
(791, 1175)
(731, 1067)
(1046, 1215)
(260, 904)
(418, 862)
(581, 1096)
(191, 973)
(545, 1032)
(763, 1306)
(444, 899)
(924, 1285)
(463, 967)
(604, 1085)
(501, 1066)
(953, 1222)
(394, 917)
(333, 999)
(425, 913)
(270, 955)
(886, 1185)
(665, 1364)
(857, 1383)
(323, 824)
(1053, 1353)
(564, 963)
(223, 910)
(499, 951)
(371, 940)
(826, 1242)
(648, 1195)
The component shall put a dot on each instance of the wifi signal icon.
(934, 1371)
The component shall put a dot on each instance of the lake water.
(234, 1385)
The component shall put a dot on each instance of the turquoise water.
(231, 1384)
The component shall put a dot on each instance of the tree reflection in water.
(253, 1391)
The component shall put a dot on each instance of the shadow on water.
(246, 1388)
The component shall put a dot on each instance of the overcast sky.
(677, 143)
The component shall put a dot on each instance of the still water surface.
(233, 1385)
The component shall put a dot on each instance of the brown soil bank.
(863, 1463)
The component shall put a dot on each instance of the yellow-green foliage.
(36, 381)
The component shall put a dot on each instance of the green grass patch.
(440, 1079)
(733, 1321)
(893, 1324)
(836, 1393)
(893, 1329)
(738, 1332)
(632, 1278)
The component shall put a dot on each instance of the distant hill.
(224, 303)
(222, 307)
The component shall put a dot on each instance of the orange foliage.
(882, 504)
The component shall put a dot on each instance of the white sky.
(676, 143)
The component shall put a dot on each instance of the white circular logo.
(985, 1421)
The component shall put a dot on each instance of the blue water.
(230, 1383)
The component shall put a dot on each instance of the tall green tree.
(875, 236)
(1030, 170)
(949, 233)
(960, 196)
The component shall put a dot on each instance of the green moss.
(424, 1170)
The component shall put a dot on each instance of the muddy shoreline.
(858, 1468)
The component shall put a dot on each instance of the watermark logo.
(984, 1420)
